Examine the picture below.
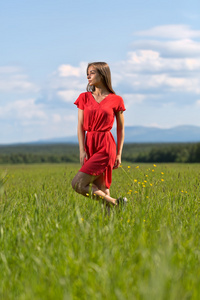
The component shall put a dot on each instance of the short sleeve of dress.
(80, 101)
(119, 105)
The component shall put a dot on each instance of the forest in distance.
(61, 153)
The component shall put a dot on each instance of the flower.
(162, 173)
(162, 179)
(87, 194)
(137, 167)
(153, 170)
(128, 167)
(154, 165)
(135, 180)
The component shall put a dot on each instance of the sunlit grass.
(56, 244)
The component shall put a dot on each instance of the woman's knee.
(77, 184)
(73, 183)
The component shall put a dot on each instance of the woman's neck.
(101, 90)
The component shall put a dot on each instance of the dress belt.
(94, 131)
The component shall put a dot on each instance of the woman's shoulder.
(84, 94)
(118, 103)
(116, 97)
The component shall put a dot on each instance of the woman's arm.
(81, 137)
(120, 137)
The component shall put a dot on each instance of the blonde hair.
(104, 71)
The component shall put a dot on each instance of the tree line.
(65, 153)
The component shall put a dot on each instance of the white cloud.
(151, 61)
(13, 80)
(67, 70)
(160, 67)
(131, 99)
(198, 103)
(177, 31)
(23, 110)
(169, 48)
(68, 95)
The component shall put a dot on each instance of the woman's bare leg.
(99, 182)
(84, 184)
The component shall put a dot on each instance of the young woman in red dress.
(98, 156)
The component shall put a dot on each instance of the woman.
(96, 110)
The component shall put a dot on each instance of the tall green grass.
(56, 244)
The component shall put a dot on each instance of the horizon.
(53, 139)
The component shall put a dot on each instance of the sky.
(152, 48)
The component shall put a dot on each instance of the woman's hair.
(104, 71)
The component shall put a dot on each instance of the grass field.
(56, 244)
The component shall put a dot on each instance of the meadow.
(56, 244)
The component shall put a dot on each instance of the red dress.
(99, 143)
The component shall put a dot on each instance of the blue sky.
(152, 47)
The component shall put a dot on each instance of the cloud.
(176, 31)
(152, 61)
(177, 48)
(67, 70)
(198, 103)
(68, 95)
(156, 68)
(23, 110)
(13, 80)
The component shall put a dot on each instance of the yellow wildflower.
(153, 170)
(154, 165)
(162, 173)
(135, 180)
(87, 194)
(128, 167)
(162, 179)
(137, 167)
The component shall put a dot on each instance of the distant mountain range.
(140, 134)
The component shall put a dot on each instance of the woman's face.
(93, 76)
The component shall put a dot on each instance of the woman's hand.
(83, 156)
(117, 162)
